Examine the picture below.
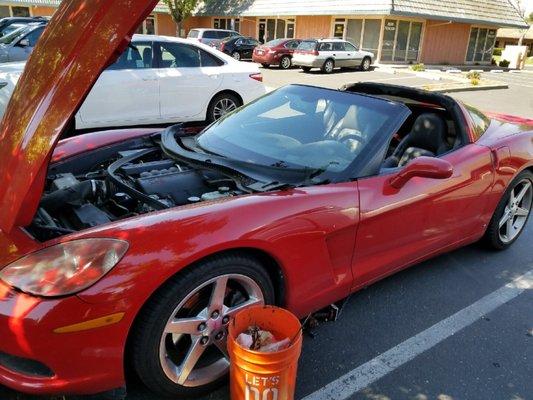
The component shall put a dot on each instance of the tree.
(180, 10)
(521, 6)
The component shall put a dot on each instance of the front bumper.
(86, 362)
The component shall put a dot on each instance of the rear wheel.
(328, 66)
(512, 213)
(221, 105)
(365, 65)
(236, 55)
(179, 340)
(285, 62)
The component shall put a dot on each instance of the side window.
(350, 47)
(338, 46)
(292, 45)
(210, 35)
(239, 42)
(34, 36)
(138, 56)
(209, 60)
(253, 42)
(325, 47)
(178, 55)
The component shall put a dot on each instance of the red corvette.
(133, 249)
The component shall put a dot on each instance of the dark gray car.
(18, 45)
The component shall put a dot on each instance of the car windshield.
(274, 43)
(304, 127)
(193, 33)
(307, 45)
(11, 28)
(11, 37)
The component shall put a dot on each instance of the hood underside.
(83, 37)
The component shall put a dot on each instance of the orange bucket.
(256, 375)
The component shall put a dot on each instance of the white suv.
(328, 54)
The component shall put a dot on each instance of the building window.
(148, 27)
(20, 11)
(233, 24)
(363, 33)
(401, 40)
(276, 28)
(12, 11)
(481, 45)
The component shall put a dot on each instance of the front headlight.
(66, 268)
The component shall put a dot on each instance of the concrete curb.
(469, 88)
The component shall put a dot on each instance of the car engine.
(106, 186)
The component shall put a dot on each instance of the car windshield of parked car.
(10, 29)
(307, 45)
(304, 127)
(11, 37)
(193, 33)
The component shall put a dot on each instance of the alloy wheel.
(366, 64)
(285, 62)
(516, 211)
(329, 66)
(223, 107)
(193, 348)
(236, 55)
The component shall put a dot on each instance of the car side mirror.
(423, 167)
(24, 43)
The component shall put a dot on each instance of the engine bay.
(122, 181)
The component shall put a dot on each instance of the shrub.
(418, 67)
(473, 75)
(493, 62)
(504, 63)
(497, 51)
(474, 82)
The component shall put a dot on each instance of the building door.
(401, 41)
(481, 45)
(262, 32)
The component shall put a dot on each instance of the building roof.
(508, 33)
(491, 12)
(56, 3)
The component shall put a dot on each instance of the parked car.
(19, 44)
(239, 47)
(9, 24)
(208, 36)
(161, 80)
(328, 54)
(276, 52)
(139, 246)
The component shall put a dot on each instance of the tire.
(328, 67)
(285, 62)
(306, 69)
(266, 65)
(366, 64)
(150, 345)
(236, 55)
(497, 235)
(222, 104)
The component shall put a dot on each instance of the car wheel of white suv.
(365, 65)
(328, 66)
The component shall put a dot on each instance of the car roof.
(212, 29)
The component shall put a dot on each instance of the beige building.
(397, 31)
(510, 37)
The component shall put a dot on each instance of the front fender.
(309, 232)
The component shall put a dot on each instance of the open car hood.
(82, 39)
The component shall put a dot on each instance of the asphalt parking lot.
(516, 100)
(459, 326)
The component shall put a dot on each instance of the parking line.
(368, 373)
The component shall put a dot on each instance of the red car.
(276, 52)
(132, 249)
